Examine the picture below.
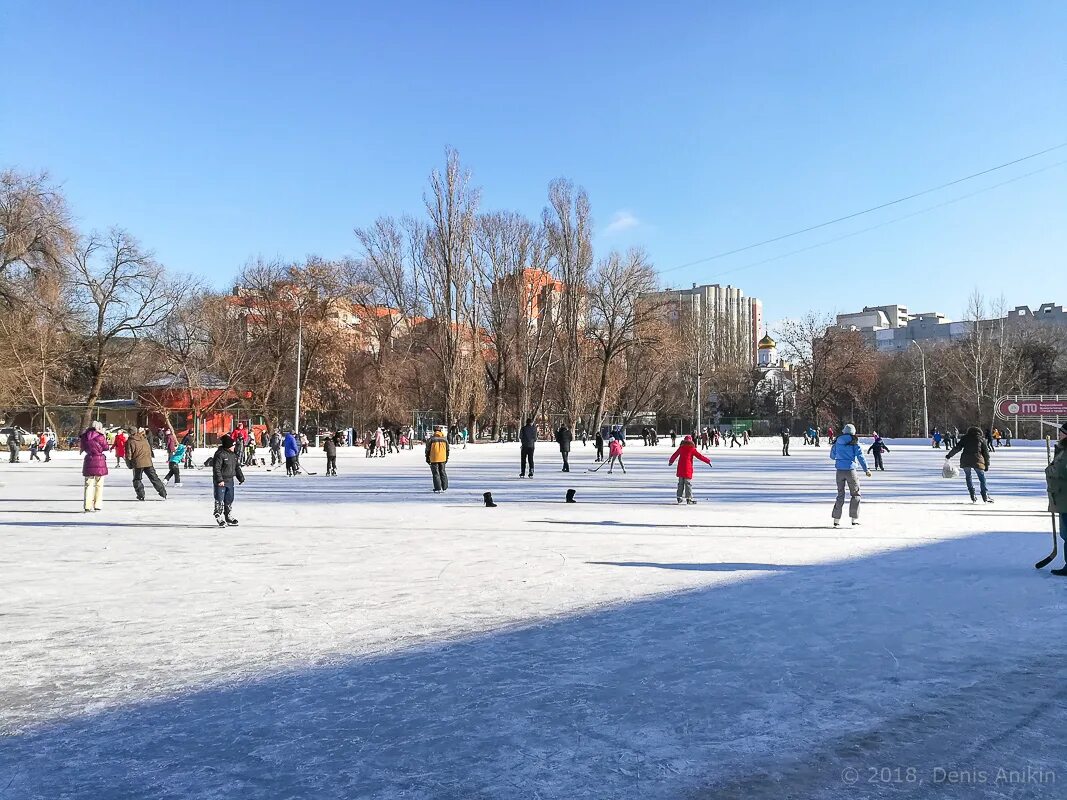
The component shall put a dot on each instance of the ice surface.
(361, 637)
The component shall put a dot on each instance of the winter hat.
(225, 441)
(850, 429)
(687, 438)
(97, 425)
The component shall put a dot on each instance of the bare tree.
(617, 312)
(35, 228)
(118, 292)
(831, 365)
(445, 276)
(568, 228)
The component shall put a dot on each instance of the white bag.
(950, 470)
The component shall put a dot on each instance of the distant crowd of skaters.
(133, 448)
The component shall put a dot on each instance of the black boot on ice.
(488, 497)
(218, 515)
(230, 519)
(570, 496)
(1062, 571)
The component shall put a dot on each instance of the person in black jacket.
(877, 448)
(329, 445)
(225, 466)
(598, 442)
(975, 451)
(527, 440)
(564, 438)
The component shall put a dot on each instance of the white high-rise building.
(726, 324)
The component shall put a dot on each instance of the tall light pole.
(299, 353)
(700, 374)
(926, 416)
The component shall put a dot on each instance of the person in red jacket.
(685, 455)
(120, 447)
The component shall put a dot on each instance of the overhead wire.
(872, 209)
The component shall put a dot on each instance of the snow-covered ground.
(361, 637)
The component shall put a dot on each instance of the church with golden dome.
(776, 383)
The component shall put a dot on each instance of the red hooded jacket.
(685, 455)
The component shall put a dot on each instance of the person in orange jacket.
(684, 455)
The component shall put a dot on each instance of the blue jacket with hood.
(292, 449)
(845, 452)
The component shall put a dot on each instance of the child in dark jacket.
(877, 448)
(225, 466)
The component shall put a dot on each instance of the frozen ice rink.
(361, 637)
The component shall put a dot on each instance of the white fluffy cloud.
(621, 221)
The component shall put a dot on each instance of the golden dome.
(766, 343)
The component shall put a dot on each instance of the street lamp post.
(926, 416)
(299, 351)
(700, 374)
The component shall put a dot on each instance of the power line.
(889, 221)
(866, 210)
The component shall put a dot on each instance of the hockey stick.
(1055, 548)
(1055, 542)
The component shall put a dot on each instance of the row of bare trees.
(479, 317)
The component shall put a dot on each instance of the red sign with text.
(1031, 407)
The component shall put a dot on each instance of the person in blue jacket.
(846, 453)
(292, 454)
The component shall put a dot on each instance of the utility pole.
(700, 374)
(926, 416)
(299, 350)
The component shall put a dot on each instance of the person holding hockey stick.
(292, 454)
(615, 454)
(845, 453)
(225, 466)
(329, 446)
(1056, 483)
(685, 455)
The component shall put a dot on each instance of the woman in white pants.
(94, 467)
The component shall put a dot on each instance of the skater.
(329, 446)
(94, 466)
(35, 444)
(13, 446)
(785, 440)
(190, 445)
(303, 443)
(275, 447)
(974, 457)
(685, 455)
(139, 459)
(225, 466)
(174, 461)
(615, 454)
(733, 439)
(1056, 483)
(240, 441)
(437, 458)
(937, 438)
(1007, 437)
(746, 437)
(379, 442)
(564, 438)
(703, 438)
(585, 437)
(49, 444)
(877, 448)
(845, 454)
(674, 438)
(598, 443)
(292, 454)
(527, 442)
(120, 447)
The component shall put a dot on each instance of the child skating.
(225, 466)
(845, 454)
(615, 454)
(685, 455)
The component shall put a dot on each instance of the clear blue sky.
(218, 131)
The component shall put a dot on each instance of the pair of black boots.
(223, 517)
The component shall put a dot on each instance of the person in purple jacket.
(94, 467)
